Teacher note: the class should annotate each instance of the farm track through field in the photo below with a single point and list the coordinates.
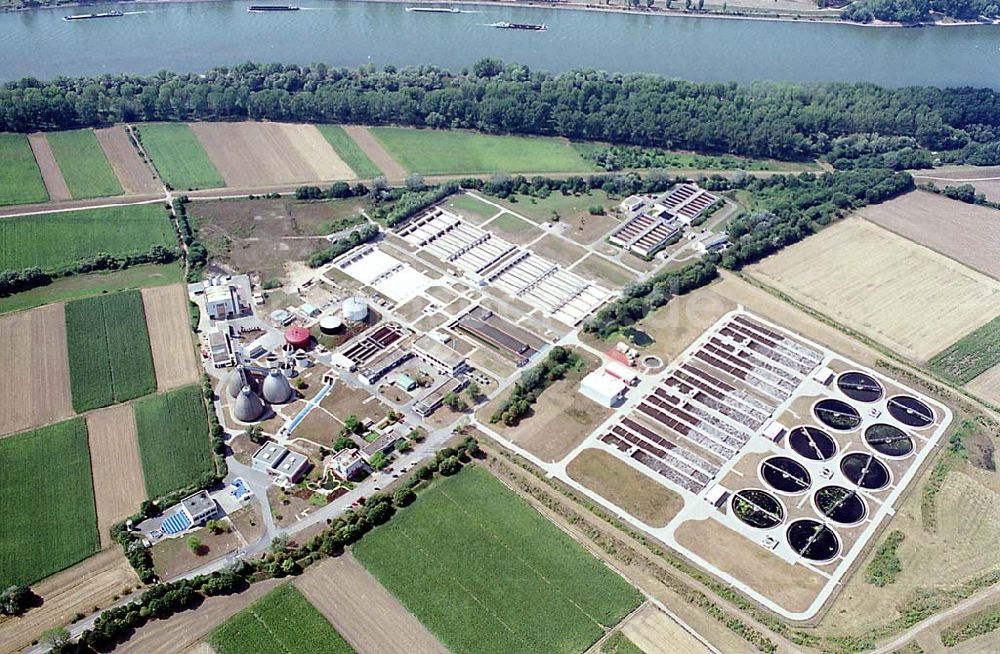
(135, 175)
(54, 182)
(170, 336)
(119, 488)
(359, 607)
(379, 155)
(35, 387)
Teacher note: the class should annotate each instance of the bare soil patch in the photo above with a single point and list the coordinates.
(343, 401)
(35, 389)
(654, 632)
(173, 556)
(987, 385)
(51, 175)
(248, 522)
(619, 483)
(170, 336)
(93, 582)
(360, 608)
(967, 233)
(319, 427)
(792, 586)
(135, 176)
(986, 179)
(379, 156)
(119, 487)
(185, 629)
(558, 250)
(249, 154)
(908, 297)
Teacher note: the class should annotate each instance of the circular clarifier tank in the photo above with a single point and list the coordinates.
(812, 443)
(785, 475)
(813, 540)
(860, 386)
(758, 508)
(837, 415)
(910, 411)
(865, 471)
(840, 505)
(888, 440)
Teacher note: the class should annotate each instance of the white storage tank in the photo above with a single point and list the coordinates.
(330, 325)
(355, 309)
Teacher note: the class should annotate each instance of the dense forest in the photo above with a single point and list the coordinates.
(916, 11)
(785, 121)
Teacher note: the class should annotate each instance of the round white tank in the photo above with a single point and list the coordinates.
(355, 309)
(330, 324)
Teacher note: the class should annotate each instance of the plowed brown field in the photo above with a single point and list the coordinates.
(133, 173)
(34, 389)
(51, 175)
(170, 336)
(119, 488)
(379, 156)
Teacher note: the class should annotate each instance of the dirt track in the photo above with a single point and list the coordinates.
(361, 609)
(170, 336)
(35, 387)
(379, 156)
(119, 488)
(52, 176)
(93, 582)
(255, 154)
(135, 176)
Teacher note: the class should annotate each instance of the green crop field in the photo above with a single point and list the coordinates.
(349, 151)
(281, 622)
(53, 241)
(971, 355)
(46, 501)
(443, 152)
(110, 360)
(173, 439)
(178, 156)
(83, 164)
(486, 573)
(20, 180)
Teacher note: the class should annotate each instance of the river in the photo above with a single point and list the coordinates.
(194, 36)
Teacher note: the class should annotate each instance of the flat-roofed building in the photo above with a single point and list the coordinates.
(281, 463)
(444, 359)
(430, 401)
(218, 347)
(384, 443)
(221, 302)
(622, 372)
(199, 507)
(603, 388)
(347, 463)
(376, 368)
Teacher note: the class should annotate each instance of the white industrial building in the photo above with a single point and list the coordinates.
(441, 357)
(391, 277)
(198, 507)
(603, 388)
(280, 463)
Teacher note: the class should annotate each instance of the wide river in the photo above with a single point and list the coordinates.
(198, 35)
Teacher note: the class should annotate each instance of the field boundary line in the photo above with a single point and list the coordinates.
(87, 208)
(270, 632)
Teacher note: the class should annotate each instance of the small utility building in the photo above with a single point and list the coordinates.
(603, 388)
(278, 462)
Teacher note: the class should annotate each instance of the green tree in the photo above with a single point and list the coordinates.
(454, 402)
(403, 497)
(256, 434)
(195, 545)
(56, 637)
(343, 443)
(15, 600)
(380, 513)
(279, 543)
(352, 424)
(449, 466)
(473, 391)
(378, 461)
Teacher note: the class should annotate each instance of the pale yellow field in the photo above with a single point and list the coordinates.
(987, 385)
(901, 294)
(654, 632)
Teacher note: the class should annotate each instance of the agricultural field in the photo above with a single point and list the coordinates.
(626, 487)
(253, 155)
(986, 179)
(76, 287)
(909, 298)
(116, 466)
(652, 631)
(964, 232)
(83, 164)
(109, 353)
(179, 158)
(36, 388)
(169, 329)
(282, 621)
(52, 177)
(56, 241)
(20, 180)
(537, 582)
(47, 502)
(444, 152)
(135, 175)
(971, 356)
(349, 151)
(172, 430)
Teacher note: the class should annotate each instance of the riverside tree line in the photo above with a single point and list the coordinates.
(785, 121)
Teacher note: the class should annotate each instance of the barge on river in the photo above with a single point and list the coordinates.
(106, 14)
(256, 8)
(504, 25)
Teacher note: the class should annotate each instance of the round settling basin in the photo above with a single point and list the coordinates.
(812, 443)
(837, 415)
(785, 475)
(910, 411)
(758, 508)
(888, 440)
(860, 386)
(813, 540)
(865, 471)
(840, 505)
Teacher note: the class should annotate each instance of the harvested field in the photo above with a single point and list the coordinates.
(173, 439)
(654, 632)
(794, 587)
(20, 179)
(55, 185)
(170, 336)
(626, 487)
(348, 150)
(83, 164)
(986, 179)
(987, 385)
(36, 388)
(359, 607)
(135, 175)
(186, 628)
(538, 583)
(94, 582)
(252, 154)
(964, 232)
(117, 468)
(375, 152)
(47, 502)
(909, 298)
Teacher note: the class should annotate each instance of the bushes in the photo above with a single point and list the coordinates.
(411, 203)
(341, 245)
(532, 383)
(885, 565)
(974, 625)
(339, 190)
